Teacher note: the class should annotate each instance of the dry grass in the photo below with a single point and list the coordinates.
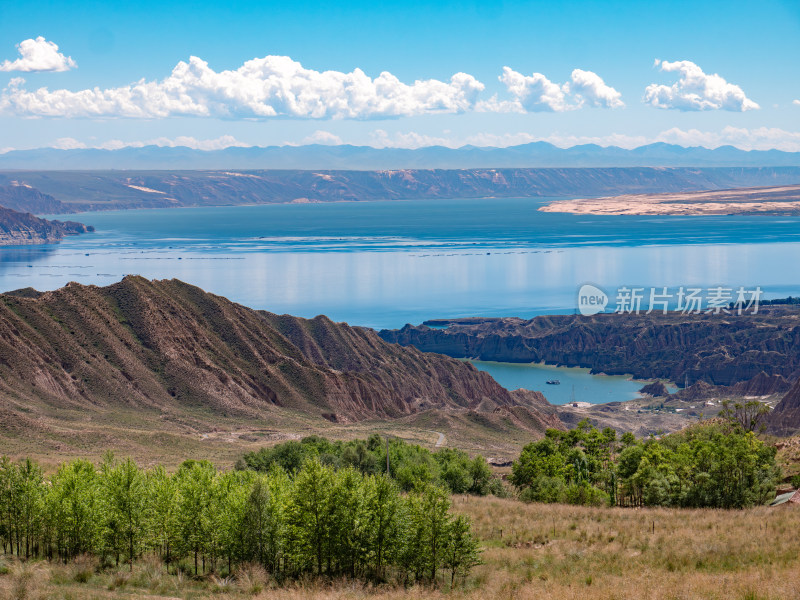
(147, 437)
(570, 552)
(788, 457)
(544, 551)
(24, 581)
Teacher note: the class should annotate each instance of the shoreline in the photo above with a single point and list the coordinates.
(759, 201)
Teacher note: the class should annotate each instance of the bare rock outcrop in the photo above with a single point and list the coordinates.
(721, 350)
(656, 389)
(785, 417)
(18, 228)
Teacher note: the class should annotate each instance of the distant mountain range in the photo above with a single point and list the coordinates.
(535, 154)
(59, 192)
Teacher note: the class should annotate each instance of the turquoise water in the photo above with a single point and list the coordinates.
(576, 384)
(384, 264)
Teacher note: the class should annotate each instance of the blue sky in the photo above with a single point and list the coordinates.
(576, 72)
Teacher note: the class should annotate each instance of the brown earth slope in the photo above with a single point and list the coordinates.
(785, 418)
(169, 349)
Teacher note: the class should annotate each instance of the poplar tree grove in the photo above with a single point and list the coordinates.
(319, 521)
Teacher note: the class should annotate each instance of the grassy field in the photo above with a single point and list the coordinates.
(152, 437)
(530, 551)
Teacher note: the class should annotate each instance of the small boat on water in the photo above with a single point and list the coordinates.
(553, 382)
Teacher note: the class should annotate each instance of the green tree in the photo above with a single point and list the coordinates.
(383, 507)
(194, 481)
(328, 520)
(73, 509)
(28, 500)
(124, 490)
(309, 509)
(462, 552)
(433, 516)
(161, 512)
(750, 416)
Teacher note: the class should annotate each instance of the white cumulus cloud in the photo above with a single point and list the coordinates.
(220, 143)
(277, 86)
(324, 138)
(274, 86)
(696, 90)
(67, 143)
(760, 138)
(589, 88)
(411, 139)
(38, 55)
(536, 93)
(797, 102)
(757, 138)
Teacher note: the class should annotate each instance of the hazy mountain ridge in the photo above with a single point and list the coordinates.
(24, 198)
(346, 157)
(102, 190)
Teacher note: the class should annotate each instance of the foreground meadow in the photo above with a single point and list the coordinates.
(530, 551)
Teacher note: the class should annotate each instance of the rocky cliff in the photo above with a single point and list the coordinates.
(17, 228)
(785, 417)
(170, 347)
(721, 350)
(656, 389)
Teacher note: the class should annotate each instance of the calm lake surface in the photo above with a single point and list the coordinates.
(597, 389)
(384, 264)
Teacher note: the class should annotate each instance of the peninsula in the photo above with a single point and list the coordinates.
(779, 200)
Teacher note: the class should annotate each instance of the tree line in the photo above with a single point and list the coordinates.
(718, 465)
(317, 520)
(409, 465)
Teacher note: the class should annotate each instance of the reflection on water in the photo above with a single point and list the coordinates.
(27, 254)
(384, 264)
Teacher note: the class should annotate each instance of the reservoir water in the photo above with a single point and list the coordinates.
(576, 384)
(384, 264)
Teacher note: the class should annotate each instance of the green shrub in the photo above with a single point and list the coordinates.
(714, 465)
